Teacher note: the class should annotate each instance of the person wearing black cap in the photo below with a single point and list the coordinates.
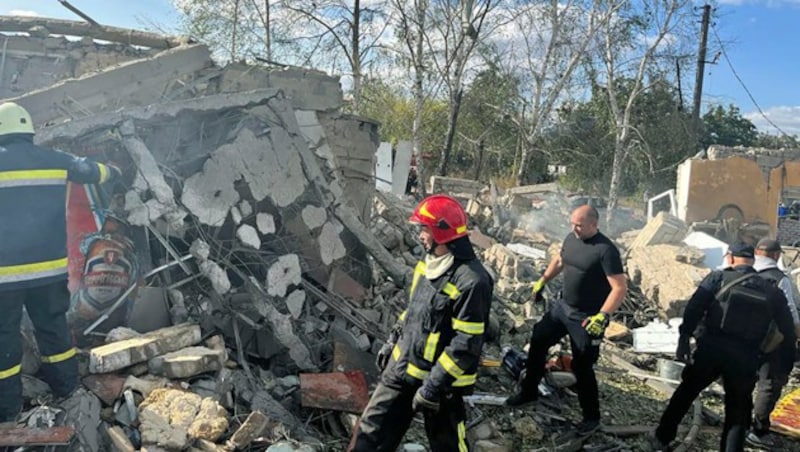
(736, 308)
(776, 366)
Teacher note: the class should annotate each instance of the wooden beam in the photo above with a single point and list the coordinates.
(22, 436)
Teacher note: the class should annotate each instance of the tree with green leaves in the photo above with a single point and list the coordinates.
(727, 127)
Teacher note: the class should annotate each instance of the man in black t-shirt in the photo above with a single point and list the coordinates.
(594, 287)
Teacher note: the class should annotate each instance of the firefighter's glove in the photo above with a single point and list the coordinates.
(383, 356)
(538, 287)
(596, 325)
(684, 351)
(425, 400)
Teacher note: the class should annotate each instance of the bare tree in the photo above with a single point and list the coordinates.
(631, 44)
(331, 29)
(542, 45)
(452, 38)
(411, 30)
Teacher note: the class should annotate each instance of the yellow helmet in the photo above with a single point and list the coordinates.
(14, 119)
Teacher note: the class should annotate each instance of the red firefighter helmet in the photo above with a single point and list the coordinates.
(443, 215)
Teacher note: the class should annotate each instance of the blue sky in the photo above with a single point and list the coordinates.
(761, 38)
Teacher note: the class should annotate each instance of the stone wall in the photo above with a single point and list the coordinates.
(788, 231)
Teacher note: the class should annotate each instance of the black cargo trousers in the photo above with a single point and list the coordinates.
(47, 306)
(561, 320)
(388, 416)
(716, 356)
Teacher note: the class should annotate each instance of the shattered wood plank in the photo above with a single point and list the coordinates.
(154, 112)
(137, 82)
(103, 32)
(348, 216)
(52, 436)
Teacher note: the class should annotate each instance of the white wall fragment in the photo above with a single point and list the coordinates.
(331, 246)
(314, 216)
(284, 273)
(248, 236)
(265, 223)
(236, 215)
(245, 208)
(295, 302)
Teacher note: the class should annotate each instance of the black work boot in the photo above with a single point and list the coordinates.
(588, 426)
(522, 397)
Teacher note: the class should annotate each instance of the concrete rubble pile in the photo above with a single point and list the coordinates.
(269, 269)
(243, 188)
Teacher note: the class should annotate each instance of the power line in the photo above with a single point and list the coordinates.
(741, 82)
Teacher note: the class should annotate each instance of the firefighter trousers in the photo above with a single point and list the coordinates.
(388, 415)
(47, 306)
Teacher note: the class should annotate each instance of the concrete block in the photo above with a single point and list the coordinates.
(245, 208)
(165, 417)
(118, 355)
(663, 228)
(236, 215)
(306, 89)
(146, 385)
(187, 362)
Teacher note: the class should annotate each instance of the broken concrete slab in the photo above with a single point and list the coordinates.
(118, 355)
(187, 362)
(314, 216)
(307, 89)
(662, 229)
(339, 391)
(254, 426)
(82, 28)
(295, 302)
(109, 88)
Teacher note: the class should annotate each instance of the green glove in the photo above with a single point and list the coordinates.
(596, 325)
(538, 286)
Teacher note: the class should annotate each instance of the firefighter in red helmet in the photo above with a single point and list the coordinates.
(431, 358)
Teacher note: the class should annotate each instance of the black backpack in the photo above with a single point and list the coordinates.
(746, 313)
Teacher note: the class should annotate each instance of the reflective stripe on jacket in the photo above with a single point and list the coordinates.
(33, 194)
(443, 328)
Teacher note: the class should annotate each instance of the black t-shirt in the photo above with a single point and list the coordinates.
(587, 264)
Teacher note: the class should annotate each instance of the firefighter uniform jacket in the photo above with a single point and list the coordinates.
(33, 193)
(442, 329)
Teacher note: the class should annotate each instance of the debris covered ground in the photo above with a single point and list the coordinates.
(256, 270)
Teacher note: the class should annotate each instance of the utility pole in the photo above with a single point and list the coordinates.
(701, 66)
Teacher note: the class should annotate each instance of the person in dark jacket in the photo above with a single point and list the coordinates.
(431, 358)
(33, 254)
(773, 374)
(736, 307)
(594, 287)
